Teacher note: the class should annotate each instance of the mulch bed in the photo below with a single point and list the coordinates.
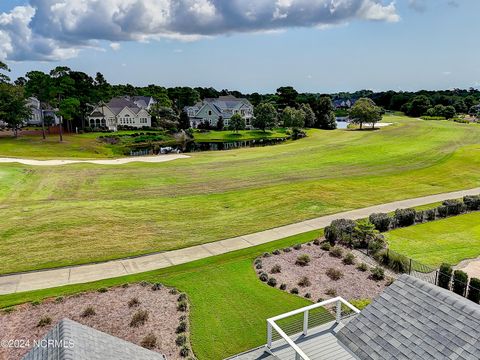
(112, 316)
(354, 284)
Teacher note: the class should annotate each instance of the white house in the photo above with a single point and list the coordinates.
(122, 111)
(38, 112)
(211, 110)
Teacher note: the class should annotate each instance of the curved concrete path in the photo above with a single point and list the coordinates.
(86, 273)
(121, 161)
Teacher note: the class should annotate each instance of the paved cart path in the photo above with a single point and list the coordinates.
(92, 272)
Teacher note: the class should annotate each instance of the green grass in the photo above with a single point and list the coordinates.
(229, 305)
(55, 216)
(227, 135)
(449, 240)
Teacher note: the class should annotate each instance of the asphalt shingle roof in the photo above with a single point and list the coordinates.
(85, 343)
(413, 319)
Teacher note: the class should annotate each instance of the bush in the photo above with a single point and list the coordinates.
(157, 286)
(283, 287)
(442, 211)
(325, 246)
(349, 259)
(59, 299)
(420, 217)
(430, 215)
(89, 311)
(133, 302)
(276, 269)
(302, 260)
(149, 341)
(339, 230)
(276, 252)
(297, 246)
(445, 276)
(381, 221)
(362, 267)
(376, 245)
(474, 290)
(182, 297)
(472, 202)
(44, 321)
(272, 282)
(404, 217)
(397, 262)
(331, 292)
(316, 242)
(454, 207)
(182, 327)
(102, 290)
(377, 273)
(257, 261)
(336, 252)
(304, 282)
(287, 250)
(259, 266)
(184, 351)
(334, 274)
(308, 296)
(263, 276)
(182, 306)
(460, 280)
(173, 291)
(139, 318)
(294, 291)
(360, 304)
(181, 340)
(266, 255)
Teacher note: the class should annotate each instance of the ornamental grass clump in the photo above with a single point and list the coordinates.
(349, 259)
(302, 260)
(304, 282)
(149, 341)
(334, 274)
(336, 252)
(139, 318)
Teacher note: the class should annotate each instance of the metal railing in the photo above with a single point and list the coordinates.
(272, 323)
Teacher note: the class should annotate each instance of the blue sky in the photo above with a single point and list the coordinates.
(407, 45)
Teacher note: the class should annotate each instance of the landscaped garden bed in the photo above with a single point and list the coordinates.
(148, 315)
(320, 272)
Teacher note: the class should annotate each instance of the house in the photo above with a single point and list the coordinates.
(122, 111)
(39, 111)
(211, 110)
(343, 104)
(411, 319)
(69, 340)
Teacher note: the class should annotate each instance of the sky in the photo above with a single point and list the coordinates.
(250, 45)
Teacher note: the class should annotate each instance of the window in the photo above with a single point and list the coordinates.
(209, 112)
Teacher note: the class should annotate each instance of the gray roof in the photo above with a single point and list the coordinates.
(413, 319)
(88, 344)
(119, 103)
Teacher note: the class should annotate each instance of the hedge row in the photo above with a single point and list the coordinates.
(459, 283)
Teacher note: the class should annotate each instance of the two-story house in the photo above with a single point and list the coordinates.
(122, 111)
(211, 110)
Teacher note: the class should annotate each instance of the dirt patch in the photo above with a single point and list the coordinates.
(112, 316)
(352, 284)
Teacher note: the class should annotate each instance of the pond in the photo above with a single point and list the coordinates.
(342, 123)
(194, 146)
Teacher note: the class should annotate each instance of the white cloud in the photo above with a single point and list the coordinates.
(58, 29)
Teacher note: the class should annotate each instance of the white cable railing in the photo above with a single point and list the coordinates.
(299, 354)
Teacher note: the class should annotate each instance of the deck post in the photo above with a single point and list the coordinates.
(339, 312)
(305, 322)
(269, 335)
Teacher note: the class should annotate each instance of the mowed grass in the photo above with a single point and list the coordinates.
(449, 240)
(55, 216)
(229, 305)
(242, 135)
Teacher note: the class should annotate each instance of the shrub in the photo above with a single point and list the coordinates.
(276, 269)
(325, 246)
(349, 259)
(294, 291)
(266, 255)
(263, 277)
(184, 351)
(183, 318)
(334, 274)
(331, 292)
(376, 245)
(362, 267)
(460, 280)
(182, 306)
(272, 282)
(316, 242)
(397, 262)
(377, 273)
(472, 202)
(89, 311)
(283, 287)
(297, 246)
(182, 327)
(182, 297)
(133, 302)
(339, 230)
(430, 215)
(381, 221)
(363, 234)
(445, 276)
(102, 290)
(257, 261)
(360, 304)
(44, 321)
(35, 303)
(157, 286)
(474, 290)
(149, 341)
(404, 217)
(304, 282)
(336, 252)
(139, 318)
(454, 207)
(259, 266)
(442, 211)
(308, 296)
(287, 250)
(59, 299)
(276, 252)
(420, 217)
(173, 291)
(302, 260)
(181, 340)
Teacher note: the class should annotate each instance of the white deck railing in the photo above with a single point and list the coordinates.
(299, 354)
